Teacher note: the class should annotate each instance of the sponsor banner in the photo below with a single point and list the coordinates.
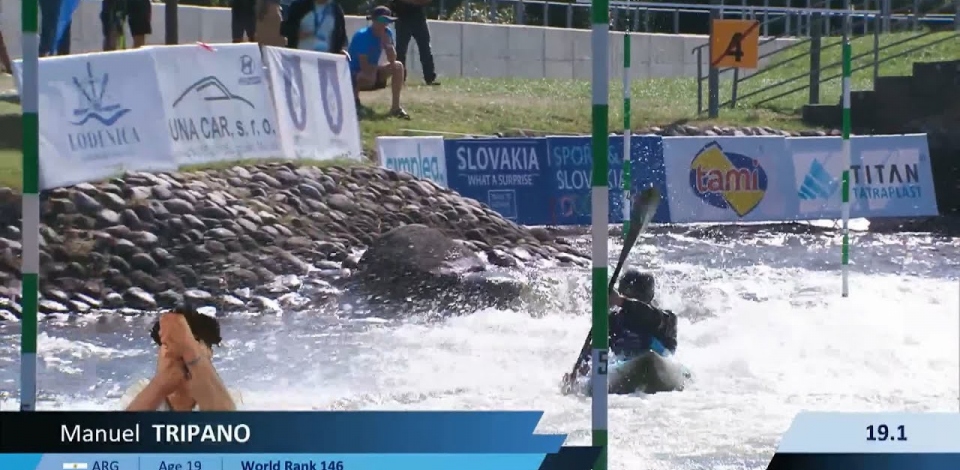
(506, 174)
(890, 176)
(99, 117)
(570, 166)
(316, 112)
(729, 179)
(423, 157)
(217, 103)
(648, 170)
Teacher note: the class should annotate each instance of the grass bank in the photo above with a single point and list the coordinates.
(515, 106)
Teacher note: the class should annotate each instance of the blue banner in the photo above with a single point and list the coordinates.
(571, 168)
(506, 174)
(547, 181)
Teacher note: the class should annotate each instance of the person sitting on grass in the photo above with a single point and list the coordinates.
(365, 49)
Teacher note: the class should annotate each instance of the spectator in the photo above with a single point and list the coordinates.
(316, 25)
(412, 23)
(137, 13)
(365, 50)
(243, 21)
(269, 21)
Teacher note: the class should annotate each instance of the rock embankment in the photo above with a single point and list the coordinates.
(222, 237)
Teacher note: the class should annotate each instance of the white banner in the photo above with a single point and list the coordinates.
(316, 112)
(728, 179)
(423, 157)
(99, 116)
(217, 103)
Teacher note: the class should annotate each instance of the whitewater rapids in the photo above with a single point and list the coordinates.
(763, 328)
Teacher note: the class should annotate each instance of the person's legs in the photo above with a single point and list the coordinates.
(404, 33)
(140, 14)
(421, 33)
(395, 73)
(108, 21)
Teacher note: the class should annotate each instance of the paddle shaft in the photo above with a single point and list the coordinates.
(640, 214)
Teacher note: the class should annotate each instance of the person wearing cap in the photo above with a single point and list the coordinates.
(185, 378)
(637, 325)
(366, 47)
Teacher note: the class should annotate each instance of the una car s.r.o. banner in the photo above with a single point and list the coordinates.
(101, 114)
(423, 157)
(505, 174)
(316, 113)
(890, 176)
(216, 103)
(729, 179)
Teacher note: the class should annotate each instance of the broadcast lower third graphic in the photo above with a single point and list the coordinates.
(818, 183)
(75, 466)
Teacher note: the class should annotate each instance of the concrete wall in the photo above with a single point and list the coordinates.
(459, 49)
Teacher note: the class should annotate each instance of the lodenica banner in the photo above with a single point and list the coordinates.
(316, 112)
(99, 116)
(729, 179)
(423, 157)
(216, 103)
(890, 176)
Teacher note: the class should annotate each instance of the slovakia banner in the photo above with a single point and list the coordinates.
(316, 113)
(506, 174)
(101, 115)
(217, 104)
(890, 176)
(729, 179)
(423, 157)
(570, 166)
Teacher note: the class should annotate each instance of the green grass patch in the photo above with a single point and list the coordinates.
(510, 106)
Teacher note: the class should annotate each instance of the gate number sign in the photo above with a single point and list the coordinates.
(734, 44)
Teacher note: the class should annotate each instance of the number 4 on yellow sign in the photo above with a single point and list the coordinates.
(734, 43)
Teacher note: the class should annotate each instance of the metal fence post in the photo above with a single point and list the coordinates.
(816, 29)
(713, 80)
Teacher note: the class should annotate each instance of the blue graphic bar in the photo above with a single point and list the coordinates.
(568, 458)
(392, 432)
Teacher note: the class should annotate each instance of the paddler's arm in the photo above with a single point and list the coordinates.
(149, 399)
(205, 385)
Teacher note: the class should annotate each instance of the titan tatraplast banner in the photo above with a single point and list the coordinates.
(890, 176)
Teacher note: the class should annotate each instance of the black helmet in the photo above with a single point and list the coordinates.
(637, 285)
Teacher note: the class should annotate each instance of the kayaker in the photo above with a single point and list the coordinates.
(185, 379)
(637, 325)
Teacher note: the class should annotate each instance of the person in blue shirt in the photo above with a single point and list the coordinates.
(316, 25)
(366, 47)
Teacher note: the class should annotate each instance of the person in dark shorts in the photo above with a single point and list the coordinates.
(366, 48)
(412, 24)
(137, 14)
(243, 20)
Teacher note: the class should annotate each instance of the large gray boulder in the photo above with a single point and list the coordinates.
(418, 268)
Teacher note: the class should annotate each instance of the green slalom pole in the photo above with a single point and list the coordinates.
(30, 230)
(626, 133)
(600, 195)
(845, 190)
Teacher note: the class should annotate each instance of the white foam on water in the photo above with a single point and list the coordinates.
(763, 343)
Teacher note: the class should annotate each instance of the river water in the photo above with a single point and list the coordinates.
(763, 328)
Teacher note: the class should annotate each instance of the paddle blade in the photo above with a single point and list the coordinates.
(644, 208)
